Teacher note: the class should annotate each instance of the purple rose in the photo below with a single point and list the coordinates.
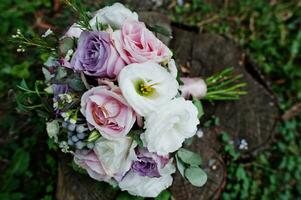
(96, 56)
(148, 164)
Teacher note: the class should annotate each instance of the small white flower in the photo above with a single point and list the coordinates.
(53, 129)
(243, 145)
(200, 133)
(169, 125)
(145, 186)
(47, 33)
(64, 147)
(146, 86)
(69, 54)
(114, 15)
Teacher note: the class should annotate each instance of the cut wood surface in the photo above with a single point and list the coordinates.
(252, 118)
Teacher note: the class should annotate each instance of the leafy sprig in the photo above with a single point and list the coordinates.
(35, 41)
(83, 15)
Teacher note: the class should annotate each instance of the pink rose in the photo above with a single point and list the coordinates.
(92, 165)
(193, 87)
(107, 111)
(136, 44)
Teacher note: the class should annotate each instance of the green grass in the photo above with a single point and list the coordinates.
(269, 32)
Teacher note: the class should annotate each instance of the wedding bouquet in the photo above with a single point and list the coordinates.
(113, 99)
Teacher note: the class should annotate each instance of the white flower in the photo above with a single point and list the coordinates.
(116, 156)
(145, 186)
(53, 129)
(74, 31)
(47, 33)
(114, 15)
(169, 125)
(172, 68)
(147, 85)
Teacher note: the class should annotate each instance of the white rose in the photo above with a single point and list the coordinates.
(169, 125)
(145, 186)
(115, 156)
(114, 15)
(147, 85)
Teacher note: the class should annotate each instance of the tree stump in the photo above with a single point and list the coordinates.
(252, 118)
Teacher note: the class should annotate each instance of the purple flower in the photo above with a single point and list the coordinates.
(96, 56)
(59, 89)
(148, 164)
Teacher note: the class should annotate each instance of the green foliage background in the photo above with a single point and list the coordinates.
(269, 30)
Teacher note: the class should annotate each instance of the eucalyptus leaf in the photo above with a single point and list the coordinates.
(196, 176)
(61, 73)
(66, 44)
(76, 84)
(180, 166)
(47, 74)
(199, 106)
(189, 157)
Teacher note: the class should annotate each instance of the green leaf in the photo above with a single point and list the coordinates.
(135, 135)
(46, 73)
(20, 162)
(77, 168)
(94, 135)
(196, 176)
(66, 44)
(159, 29)
(23, 84)
(126, 196)
(198, 104)
(180, 166)
(76, 84)
(189, 157)
(164, 195)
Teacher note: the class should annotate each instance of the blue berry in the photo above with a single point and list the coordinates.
(90, 145)
(71, 127)
(80, 145)
(81, 136)
(74, 138)
(81, 129)
(70, 142)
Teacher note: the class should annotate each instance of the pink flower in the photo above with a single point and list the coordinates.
(107, 111)
(193, 87)
(136, 44)
(92, 165)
